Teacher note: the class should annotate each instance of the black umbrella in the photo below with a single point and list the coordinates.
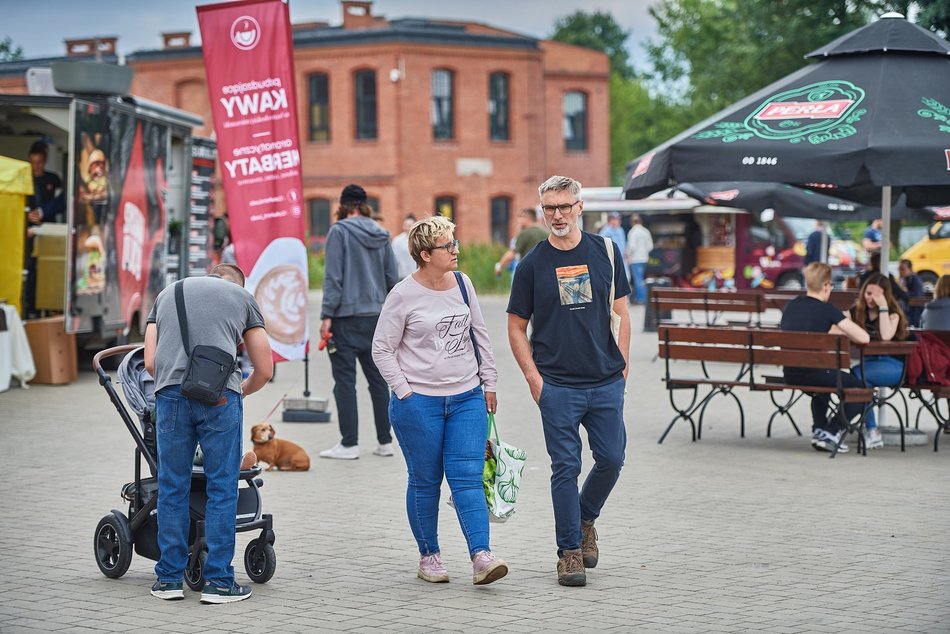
(872, 113)
(788, 200)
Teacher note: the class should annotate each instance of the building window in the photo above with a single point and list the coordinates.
(319, 90)
(319, 217)
(445, 206)
(498, 106)
(365, 81)
(442, 114)
(373, 203)
(575, 121)
(500, 219)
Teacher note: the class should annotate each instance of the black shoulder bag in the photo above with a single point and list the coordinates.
(209, 368)
(471, 332)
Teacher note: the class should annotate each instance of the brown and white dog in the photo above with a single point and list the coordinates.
(277, 453)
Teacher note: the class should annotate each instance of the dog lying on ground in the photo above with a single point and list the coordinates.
(278, 453)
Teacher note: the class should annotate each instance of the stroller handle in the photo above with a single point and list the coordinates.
(111, 352)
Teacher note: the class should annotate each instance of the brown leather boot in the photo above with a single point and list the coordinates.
(589, 544)
(570, 568)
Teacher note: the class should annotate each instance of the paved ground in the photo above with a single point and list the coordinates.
(723, 535)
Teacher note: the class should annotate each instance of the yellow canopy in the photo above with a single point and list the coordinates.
(16, 182)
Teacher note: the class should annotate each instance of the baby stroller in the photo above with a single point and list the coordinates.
(117, 534)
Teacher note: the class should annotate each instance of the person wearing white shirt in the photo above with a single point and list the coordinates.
(639, 245)
(405, 265)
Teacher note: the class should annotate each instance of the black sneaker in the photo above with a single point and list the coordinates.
(227, 594)
(168, 590)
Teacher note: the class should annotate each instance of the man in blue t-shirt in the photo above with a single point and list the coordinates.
(575, 369)
(812, 313)
(872, 237)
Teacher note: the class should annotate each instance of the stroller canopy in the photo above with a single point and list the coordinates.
(137, 384)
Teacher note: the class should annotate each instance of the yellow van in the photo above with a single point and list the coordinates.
(931, 256)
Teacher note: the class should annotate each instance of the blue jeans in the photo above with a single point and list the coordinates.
(600, 411)
(444, 435)
(637, 271)
(181, 424)
(880, 371)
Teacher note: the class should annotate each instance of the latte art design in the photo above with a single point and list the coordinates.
(282, 297)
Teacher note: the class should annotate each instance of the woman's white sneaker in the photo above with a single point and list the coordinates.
(339, 452)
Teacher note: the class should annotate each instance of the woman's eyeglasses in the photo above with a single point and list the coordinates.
(450, 247)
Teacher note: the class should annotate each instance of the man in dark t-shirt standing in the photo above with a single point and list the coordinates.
(813, 313)
(575, 368)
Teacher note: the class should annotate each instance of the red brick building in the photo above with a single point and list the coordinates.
(425, 114)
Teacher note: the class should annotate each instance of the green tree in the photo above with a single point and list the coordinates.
(9, 52)
(934, 14)
(599, 31)
(714, 52)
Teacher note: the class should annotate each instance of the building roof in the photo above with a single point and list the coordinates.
(403, 31)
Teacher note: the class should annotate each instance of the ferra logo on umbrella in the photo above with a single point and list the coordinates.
(819, 112)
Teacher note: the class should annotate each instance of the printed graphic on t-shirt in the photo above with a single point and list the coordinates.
(452, 331)
(573, 284)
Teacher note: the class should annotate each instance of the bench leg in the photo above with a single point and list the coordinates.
(684, 413)
(783, 410)
(726, 391)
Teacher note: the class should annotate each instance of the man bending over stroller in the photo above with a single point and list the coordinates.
(219, 313)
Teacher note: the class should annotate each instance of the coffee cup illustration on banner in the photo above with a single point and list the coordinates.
(279, 284)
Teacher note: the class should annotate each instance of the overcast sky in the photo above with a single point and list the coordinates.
(40, 26)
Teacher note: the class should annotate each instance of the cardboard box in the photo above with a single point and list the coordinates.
(54, 351)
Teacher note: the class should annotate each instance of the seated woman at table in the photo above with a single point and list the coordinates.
(812, 313)
(880, 314)
(936, 314)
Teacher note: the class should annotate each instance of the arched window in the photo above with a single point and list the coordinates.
(500, 219)
(319, 209)
(365, 95)
(575, 121)
(445, 206)
(443, 87)
(498, 107)
(318, 85)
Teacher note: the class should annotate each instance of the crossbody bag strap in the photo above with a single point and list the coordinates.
(610, 254)
(182, 316)
(471, 332)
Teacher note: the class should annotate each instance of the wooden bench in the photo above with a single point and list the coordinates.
(711, 305)
(746, 350)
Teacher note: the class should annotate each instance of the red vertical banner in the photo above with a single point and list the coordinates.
(248, 55)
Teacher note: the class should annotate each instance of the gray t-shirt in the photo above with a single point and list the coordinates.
(219, 313)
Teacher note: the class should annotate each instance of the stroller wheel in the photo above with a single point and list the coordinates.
(194, 575)
(112, 545)
(260, 561)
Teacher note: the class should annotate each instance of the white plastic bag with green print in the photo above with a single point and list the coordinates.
(501, 476)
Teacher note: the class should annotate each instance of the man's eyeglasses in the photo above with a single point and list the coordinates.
(564, 209)
(451, 247)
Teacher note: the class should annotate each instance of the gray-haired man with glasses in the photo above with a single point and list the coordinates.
(575, 369)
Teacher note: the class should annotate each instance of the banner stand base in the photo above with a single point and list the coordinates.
(304, 416)
(306, 410)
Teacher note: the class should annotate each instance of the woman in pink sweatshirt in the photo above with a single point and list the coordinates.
(425, 348)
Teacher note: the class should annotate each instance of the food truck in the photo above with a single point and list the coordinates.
(137, 188)
(704, 246)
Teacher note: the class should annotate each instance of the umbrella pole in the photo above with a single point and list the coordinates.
(885, 257)
(886, 230)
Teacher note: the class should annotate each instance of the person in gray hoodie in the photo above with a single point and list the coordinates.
(360, 271)
(936, 314)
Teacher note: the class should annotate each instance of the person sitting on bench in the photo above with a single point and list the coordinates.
(813, 313)
(878, 312)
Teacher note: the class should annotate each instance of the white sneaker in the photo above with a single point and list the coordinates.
(384, 450)
(873, 438)
(821, 440)
(339, 452)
